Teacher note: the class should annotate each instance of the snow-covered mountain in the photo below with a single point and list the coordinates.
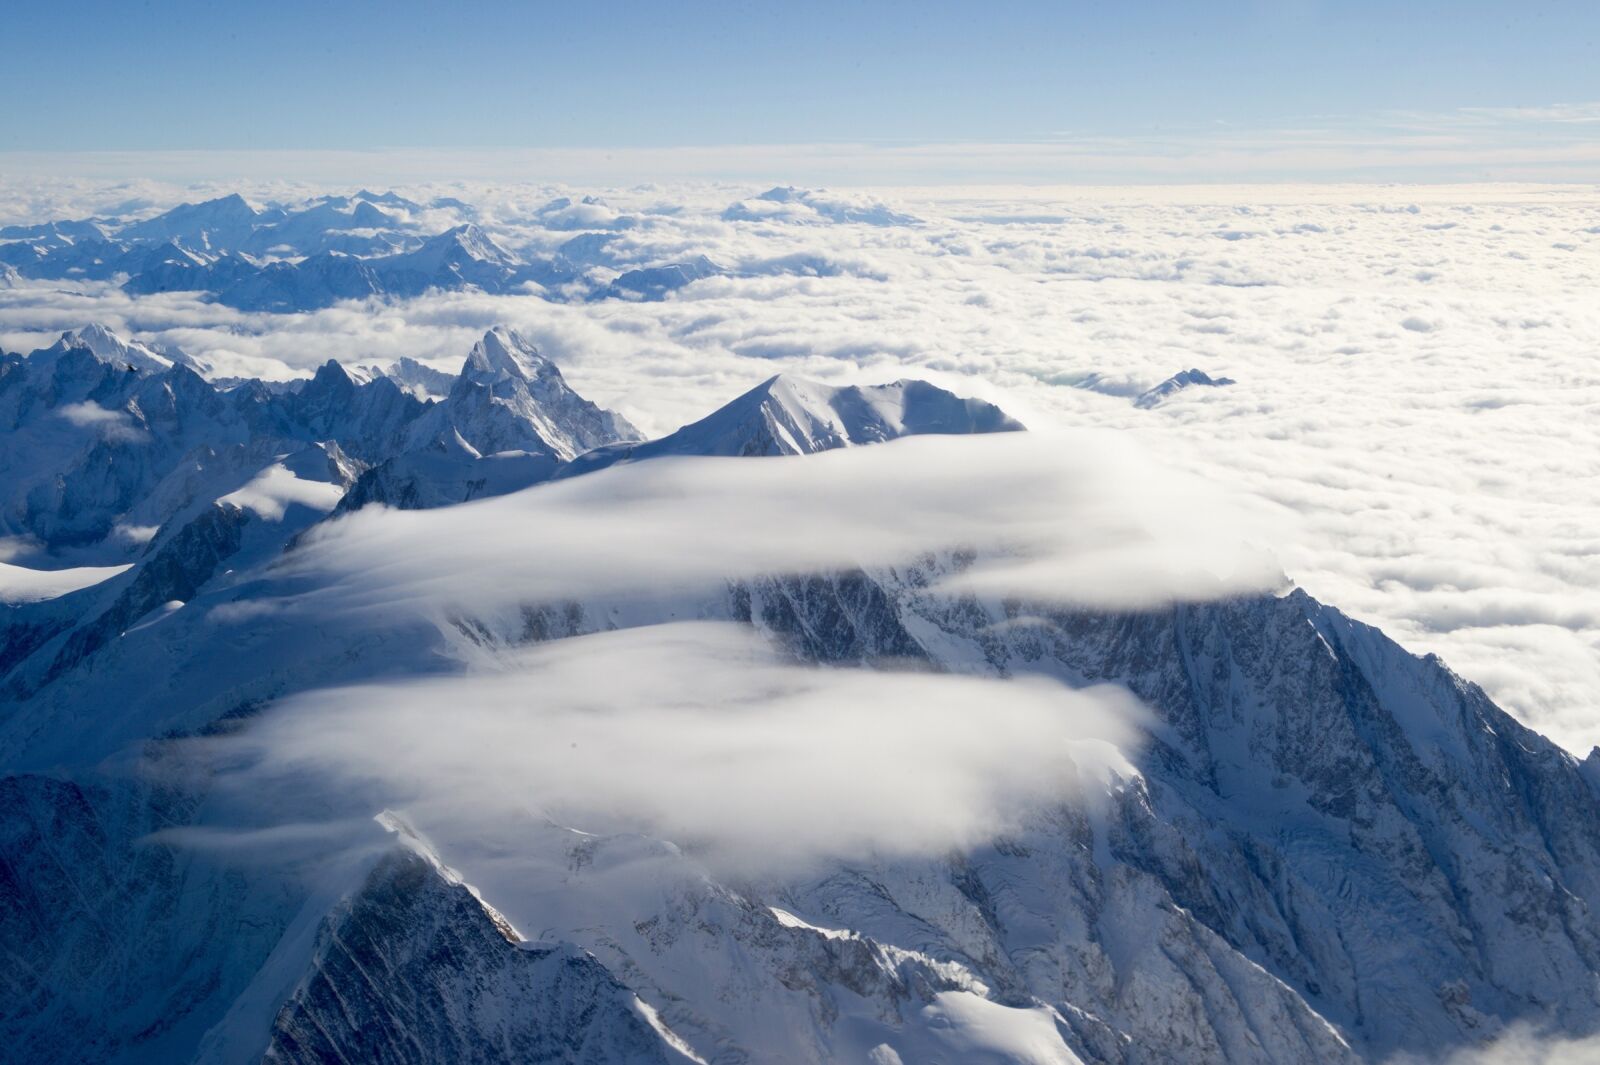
(785, 203)
(1178, 382)
(422, 380)
(789, 416)
(289, 258)
(1323, 849)
(109, 442)
(225, 222)
(509, 421)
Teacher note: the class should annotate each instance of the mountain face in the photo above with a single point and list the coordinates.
(1325, 850)
(412, 960)
(106, 441)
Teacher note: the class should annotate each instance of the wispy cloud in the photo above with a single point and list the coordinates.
(1073, 518)
(1465, 144)
(698, 734)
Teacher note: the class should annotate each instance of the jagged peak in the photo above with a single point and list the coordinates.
(334, 372)
(472, 240)
(110, 348)
(1179, 381)
(505, 353)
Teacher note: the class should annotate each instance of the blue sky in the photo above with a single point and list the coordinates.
(1134, 78)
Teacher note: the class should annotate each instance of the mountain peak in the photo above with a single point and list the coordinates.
(465, 252)
(391, 198)
(786, 415)
(107, 347)
(475, 243)
(333, 374)
(803, 416)
(418, 378)
(1179, 381)
(504, 353)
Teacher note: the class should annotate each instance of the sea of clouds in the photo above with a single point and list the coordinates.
(1417, 396)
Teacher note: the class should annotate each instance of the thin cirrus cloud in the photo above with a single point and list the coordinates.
(1545, 142)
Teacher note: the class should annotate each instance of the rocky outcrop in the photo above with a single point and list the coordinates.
(415, 969)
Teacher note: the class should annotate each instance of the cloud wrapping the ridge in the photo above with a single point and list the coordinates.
(112, 424)
(699, 734)
(1073, 518)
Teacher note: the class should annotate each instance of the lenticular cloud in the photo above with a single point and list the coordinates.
(1064, 518)
(700, 734)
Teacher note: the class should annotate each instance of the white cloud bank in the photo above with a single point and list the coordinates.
(699, 734)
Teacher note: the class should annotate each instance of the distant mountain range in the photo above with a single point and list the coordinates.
(303, 257)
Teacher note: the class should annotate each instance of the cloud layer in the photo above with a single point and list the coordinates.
(1415, 366)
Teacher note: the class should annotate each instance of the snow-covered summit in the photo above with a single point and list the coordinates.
(1191, 378)
(790, 415)
(107, 347)
(786, 415)
(509, 397)
(454, 247)
(786, 203)
(225, 221)
(504, 353)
